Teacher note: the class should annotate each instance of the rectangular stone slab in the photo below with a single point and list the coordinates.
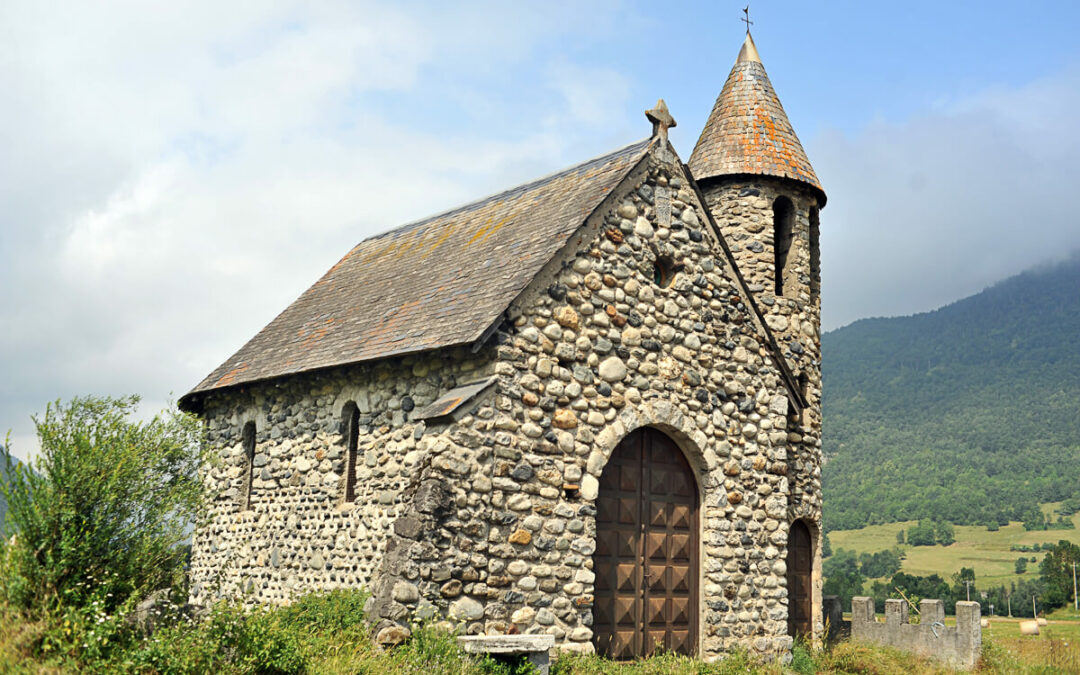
(506, 644)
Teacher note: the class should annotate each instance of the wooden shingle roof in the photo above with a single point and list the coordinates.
(435, 283)
(748, 131)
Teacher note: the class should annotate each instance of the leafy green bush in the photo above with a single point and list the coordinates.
(100, 514)
(921, 534)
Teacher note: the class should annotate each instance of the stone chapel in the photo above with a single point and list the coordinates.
(588, 406)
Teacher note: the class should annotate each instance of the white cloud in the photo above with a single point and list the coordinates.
(936, 208)
(173, 176)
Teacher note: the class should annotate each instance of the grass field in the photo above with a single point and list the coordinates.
(987, 552)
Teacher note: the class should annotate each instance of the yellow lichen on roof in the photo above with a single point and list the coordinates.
(435, 283)
(748, 131)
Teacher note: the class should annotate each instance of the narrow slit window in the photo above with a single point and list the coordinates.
(351, 415)
(783, 232)
(804, 389)
(249, 464)
(797, 415)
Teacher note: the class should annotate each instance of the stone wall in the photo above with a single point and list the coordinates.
(743, 209)
(597, 348)
(959, 645)
(298, 534)
(488, 518)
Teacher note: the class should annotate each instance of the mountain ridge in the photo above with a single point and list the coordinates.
(966, 413)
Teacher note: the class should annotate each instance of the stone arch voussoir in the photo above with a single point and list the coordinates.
(668, 418)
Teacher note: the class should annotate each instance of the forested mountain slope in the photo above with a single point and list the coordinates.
(969, 413)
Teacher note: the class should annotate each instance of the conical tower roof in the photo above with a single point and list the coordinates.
(748, 131)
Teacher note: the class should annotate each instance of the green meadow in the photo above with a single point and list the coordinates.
(986, 552)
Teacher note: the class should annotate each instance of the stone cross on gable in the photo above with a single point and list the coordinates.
(661, 119)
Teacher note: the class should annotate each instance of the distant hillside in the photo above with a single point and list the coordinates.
(969, 413)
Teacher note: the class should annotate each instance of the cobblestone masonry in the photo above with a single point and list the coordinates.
(475, 518)
(298, 535)
(743, 209)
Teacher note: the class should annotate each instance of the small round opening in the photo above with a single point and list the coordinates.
(664, 271)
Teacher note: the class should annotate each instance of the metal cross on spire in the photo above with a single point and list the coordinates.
(746, 20)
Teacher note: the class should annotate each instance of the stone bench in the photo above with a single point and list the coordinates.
(534, 647)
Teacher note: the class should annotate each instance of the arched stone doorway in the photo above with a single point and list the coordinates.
(646, 558)
(800, 565)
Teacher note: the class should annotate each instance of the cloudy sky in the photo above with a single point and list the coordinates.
(172, 175)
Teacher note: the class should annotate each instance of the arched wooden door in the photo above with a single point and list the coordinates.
(646, 559)
(800, 563)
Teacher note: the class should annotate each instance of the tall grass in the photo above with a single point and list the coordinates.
(327, 633)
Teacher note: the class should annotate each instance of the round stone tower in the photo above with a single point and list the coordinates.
(765, 197)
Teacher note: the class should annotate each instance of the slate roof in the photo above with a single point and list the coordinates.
(435, 283)
(748, 131)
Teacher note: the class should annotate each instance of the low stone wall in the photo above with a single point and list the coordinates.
(959, 645)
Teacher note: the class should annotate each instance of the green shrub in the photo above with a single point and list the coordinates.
(99, 516)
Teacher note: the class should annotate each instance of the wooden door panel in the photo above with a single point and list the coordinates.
(658, 612)
(679, 641)
(656, 546)
(680, 516)
(658, 514)
(654, 639)
(680, 610)
(682, 486)
(602, 613)
(656, 582)
(606, 544)
(626, 611)
(680, 578)
(624, 645)
(659, 482)
(646, 560)
(607, 510)
(800, 567)
(680, 546)
(626, 575)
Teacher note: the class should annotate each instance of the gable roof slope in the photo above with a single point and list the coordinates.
(435, 283)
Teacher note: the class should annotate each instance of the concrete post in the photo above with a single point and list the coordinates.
(969, 628)
(862, 610)
(896, 612)
(931, 611)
